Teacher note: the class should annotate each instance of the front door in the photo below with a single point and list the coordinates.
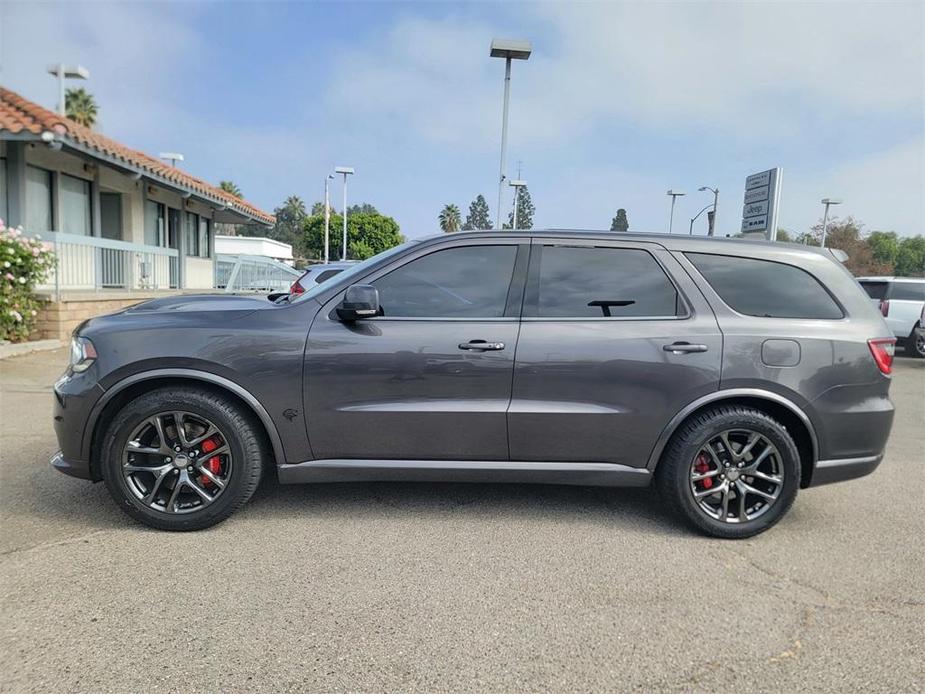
(430, 378)
(614, 341)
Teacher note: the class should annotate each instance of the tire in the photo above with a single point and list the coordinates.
(915, 346)
(687, 458)
(235, 453)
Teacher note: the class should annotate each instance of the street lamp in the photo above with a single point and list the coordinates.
(516, 184)
(62, 72)
(715, 192)
(694, 219)
(327, 218)
(173, 157)
(346, 171)
(825, 216)
(674, 194)
(509, 50)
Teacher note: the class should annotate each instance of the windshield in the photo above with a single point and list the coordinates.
(354, 271)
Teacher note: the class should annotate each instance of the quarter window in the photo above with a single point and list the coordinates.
(766, 288)
(462, 282)
(590, 282)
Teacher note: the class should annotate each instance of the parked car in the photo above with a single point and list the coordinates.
(729, 373)
(919, 346)
(901, 301)
(317, 274)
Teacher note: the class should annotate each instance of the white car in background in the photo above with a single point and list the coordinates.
(901, 300)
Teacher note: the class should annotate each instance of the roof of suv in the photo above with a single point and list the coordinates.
(891, 279)
(666, 240)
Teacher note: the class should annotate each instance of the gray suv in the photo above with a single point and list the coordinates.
(729, 373)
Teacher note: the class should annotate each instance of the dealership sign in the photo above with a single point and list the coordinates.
(761, 202)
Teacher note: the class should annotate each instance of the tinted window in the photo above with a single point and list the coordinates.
(875, 290)
(464, 282)
(590, 282)
(765, 288)
(908, 291)
(326, 275)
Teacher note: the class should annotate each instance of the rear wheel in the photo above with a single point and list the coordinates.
(182, 459)
(915, 345)
(730, 472)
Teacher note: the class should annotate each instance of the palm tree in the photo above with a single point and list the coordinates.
(295, 205)
(231, 187)
(80, 106)
(450, 219)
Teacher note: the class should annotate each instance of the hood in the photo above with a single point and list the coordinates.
(202, 303)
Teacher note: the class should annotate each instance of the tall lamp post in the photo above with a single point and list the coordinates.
(346, 171)
(825, 217)
(62, 72)
(694, 219)
(327, 218)
(673, 194)
(712, 220)
(516, 184)
(509, 50)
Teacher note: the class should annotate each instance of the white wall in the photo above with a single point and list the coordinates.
(198, 273)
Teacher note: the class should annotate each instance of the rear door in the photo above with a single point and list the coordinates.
(431, 378)
(615, 340)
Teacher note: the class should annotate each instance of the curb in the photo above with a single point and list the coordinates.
(14, 350)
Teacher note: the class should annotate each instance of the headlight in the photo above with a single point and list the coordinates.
(83, 354)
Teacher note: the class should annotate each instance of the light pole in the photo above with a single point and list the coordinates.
(694, 219)
(715, 192)
(825, 216)
(346, 171)
(509, 50)
(62, 72)
(327, 218)
(172, 157)
(516, 184)
(673, 194)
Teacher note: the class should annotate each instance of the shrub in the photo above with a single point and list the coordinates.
(24, 262)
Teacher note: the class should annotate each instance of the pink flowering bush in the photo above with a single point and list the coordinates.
(24, 262)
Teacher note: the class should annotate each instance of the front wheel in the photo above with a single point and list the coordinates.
(730, 472)
(182, 458)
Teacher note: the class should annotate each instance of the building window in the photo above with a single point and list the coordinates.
(38, 200)
(192, 234)
(155, 221)
(74, 198)
(4, 207)
(111, 215)
(204, 244)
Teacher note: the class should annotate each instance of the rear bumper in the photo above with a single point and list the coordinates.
(841, 469)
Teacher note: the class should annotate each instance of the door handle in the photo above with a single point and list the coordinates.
(481, 346)
(684, 348)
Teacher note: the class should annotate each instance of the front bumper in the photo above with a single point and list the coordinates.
(75, 395)
(74, 468)
(839, 470)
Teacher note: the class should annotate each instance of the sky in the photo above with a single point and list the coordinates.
(618, 103)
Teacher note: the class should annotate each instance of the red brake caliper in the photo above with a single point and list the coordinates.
(213, 464)
(702, 466)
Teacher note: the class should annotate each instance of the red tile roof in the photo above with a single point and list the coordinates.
(18, 114)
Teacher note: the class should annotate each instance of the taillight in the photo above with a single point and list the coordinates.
(296, 288)
(882, 349)
(885, 307)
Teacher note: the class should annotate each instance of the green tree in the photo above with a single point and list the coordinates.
(231, 188)
(80, 106)
(449, 218)
(362, 208)
(288, 228)
(479, 215)
(525, 210)
(784, 236)
(620, 222)
(367, 235)
(847, 235)
(884, 245)
(910, 260)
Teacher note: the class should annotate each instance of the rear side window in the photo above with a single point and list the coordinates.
(875, 290)
(765, 288)
(588, 282)
(908, 291)
(326, 275)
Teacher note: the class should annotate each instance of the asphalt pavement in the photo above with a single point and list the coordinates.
(450, 587)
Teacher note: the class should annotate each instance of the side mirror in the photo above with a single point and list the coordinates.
(360, 301)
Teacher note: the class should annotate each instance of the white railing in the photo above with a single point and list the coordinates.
(90, 263)
(253, 273)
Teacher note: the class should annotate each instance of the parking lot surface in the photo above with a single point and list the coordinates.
(436, 587)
